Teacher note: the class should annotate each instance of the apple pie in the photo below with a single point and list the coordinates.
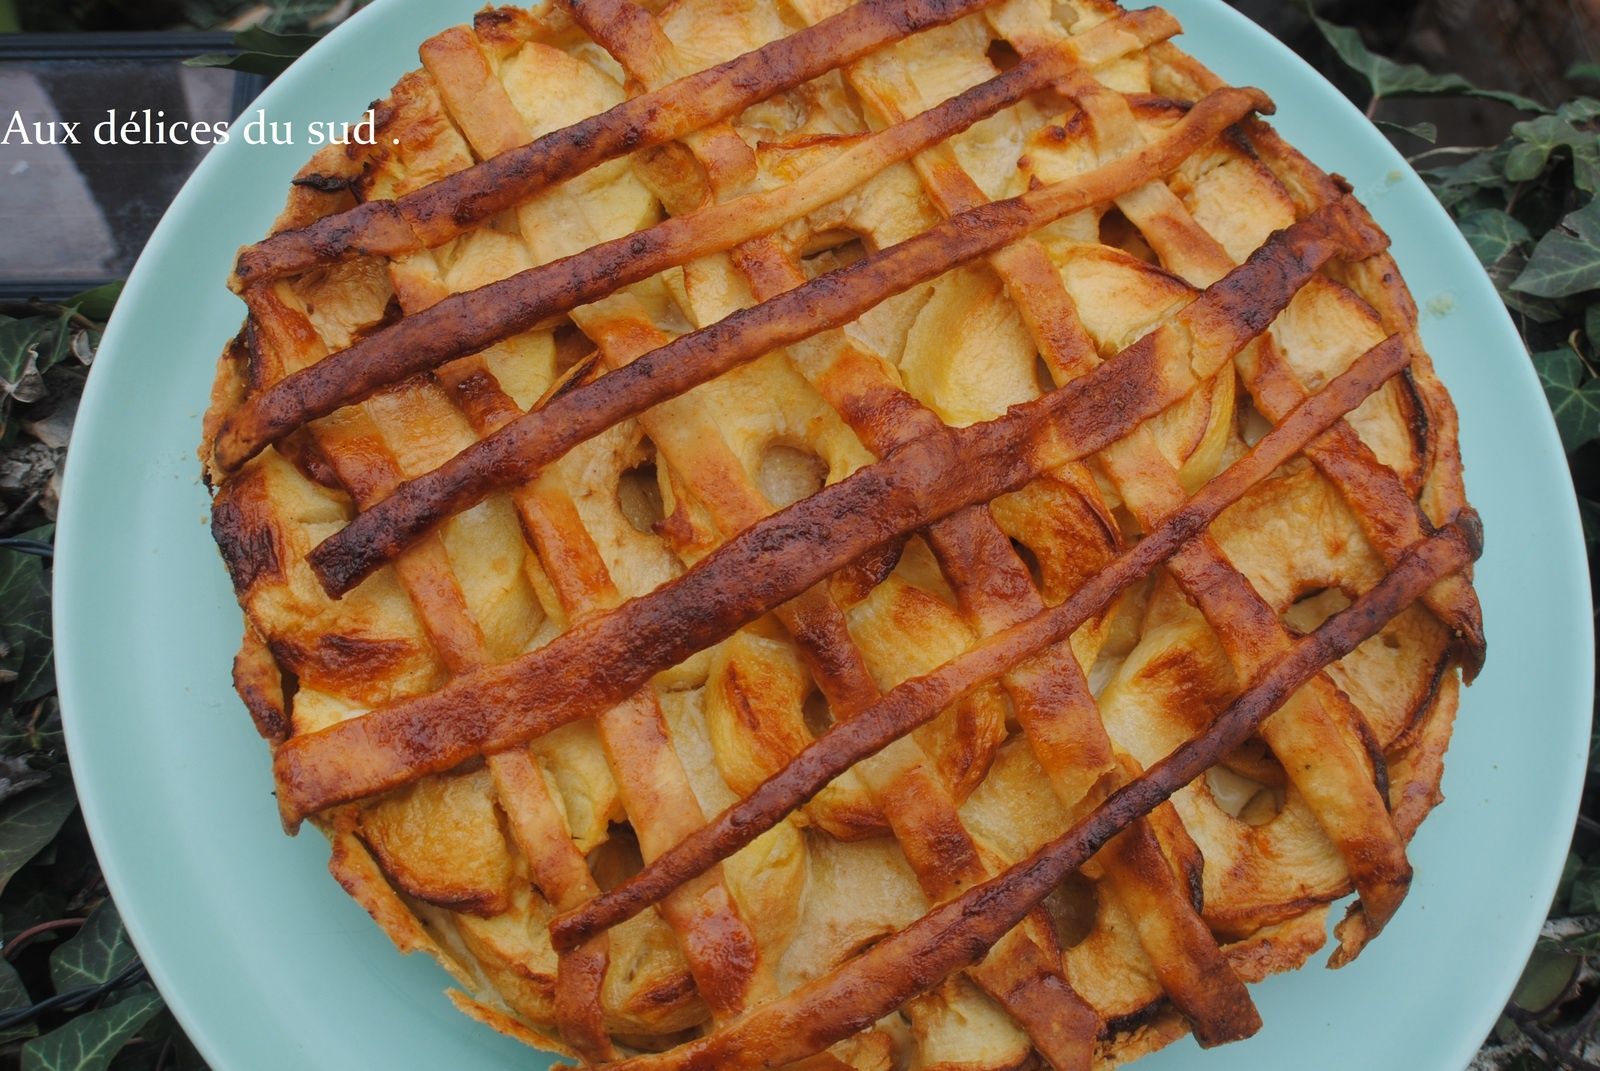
(905, 533)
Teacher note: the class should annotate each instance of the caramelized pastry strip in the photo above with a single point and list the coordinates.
(436, 213)
(1316, 737)
(364, 465)
(610, 656)
(1022, 975)
(955, 934)
(469, 322)
(916, 700)
(1389, 517)
(515, 453)
(1051, 698)
(718, 944)
(1455, 602)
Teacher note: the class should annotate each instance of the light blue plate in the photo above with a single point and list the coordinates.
(269, 965)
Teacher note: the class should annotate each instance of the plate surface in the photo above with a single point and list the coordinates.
(269, 965)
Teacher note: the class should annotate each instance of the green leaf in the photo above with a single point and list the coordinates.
(14, 995)
(30, 821)
(1542, 136)
(26, 653)
(260, 52)
(1569, 875)
(1591, 326)
(90, 1041)
(1478, 173)
(1390, 79)
(1583, 896)
(1426, 131)
(1589, 514)
(1583, 944)
(95, 954)
(97, 304)
(1539, 310)
(1574, 398)
(1566, 260)
(29, 348)
(1579, 109)
(1545, 980)
(1492, 234)
(1584, 72)
(260, 39)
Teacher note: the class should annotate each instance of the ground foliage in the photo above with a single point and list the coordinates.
(73, 994)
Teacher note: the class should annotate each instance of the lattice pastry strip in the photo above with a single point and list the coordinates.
(764, 262)
(1017, 973)
(1313, 736)
(1151, 489)
(441, 614)
(655, 791)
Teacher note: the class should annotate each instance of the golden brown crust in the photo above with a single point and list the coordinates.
(604, 659)
(537, 699)
(961, 930)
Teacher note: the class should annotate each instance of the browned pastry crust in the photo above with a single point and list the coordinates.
(914, 533)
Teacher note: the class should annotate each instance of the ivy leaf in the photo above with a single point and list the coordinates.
(1545, 980)
(98, 303)
(26, 653)
(1579, 109)
(90, 1041)
(1566, 260)
(1478, 173)
(1542, 136)
(1539, 310)
(95, 954)
(31, 821)
(1390, 79)
(1573, 397)
(14, 995)
(29, 348)
(1492, 233)
(260, 52)
(1426, 131)
(1569, 875)
(1583, 897)
(1584, 72)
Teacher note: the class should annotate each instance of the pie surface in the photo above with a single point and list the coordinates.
(472, 861)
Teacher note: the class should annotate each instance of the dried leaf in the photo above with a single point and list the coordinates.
(28, 349)
(54, 429)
